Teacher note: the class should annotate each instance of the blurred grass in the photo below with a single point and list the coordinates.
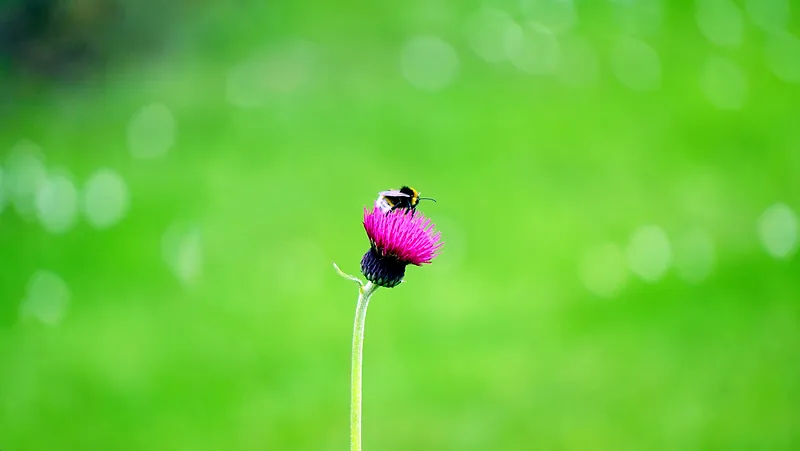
(498, 344)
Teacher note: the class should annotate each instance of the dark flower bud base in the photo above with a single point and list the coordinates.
(385, 271)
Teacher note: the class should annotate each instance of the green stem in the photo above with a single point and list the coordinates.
(365, 293)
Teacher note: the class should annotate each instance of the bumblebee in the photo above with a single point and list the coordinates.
(406, 198)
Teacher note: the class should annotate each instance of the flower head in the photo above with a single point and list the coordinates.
(397, 239)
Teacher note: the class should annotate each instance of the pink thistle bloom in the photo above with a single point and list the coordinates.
(397, 239)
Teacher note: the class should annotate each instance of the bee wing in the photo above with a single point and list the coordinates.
(393, 193)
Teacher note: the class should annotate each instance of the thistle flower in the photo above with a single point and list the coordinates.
(397, 239)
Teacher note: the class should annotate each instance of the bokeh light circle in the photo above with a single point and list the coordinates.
(770, 15)
(638, 17)
(557, 15)
(485, 32)
(3, 196)
(182, 250)
(533, 48)
(47, 298)
(57, 203)
(720, 21)
(25, 174)
(636, 65)
(105, 198)
(777, 230)
(282, 70)
(151, 131)
(429, 63)
(783, 56)
(649, 253)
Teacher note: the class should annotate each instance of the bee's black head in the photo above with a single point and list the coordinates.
(409, 190)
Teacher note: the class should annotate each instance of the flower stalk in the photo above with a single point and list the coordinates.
(365, 293)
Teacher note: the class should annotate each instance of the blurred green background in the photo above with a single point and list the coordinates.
(618, 185)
